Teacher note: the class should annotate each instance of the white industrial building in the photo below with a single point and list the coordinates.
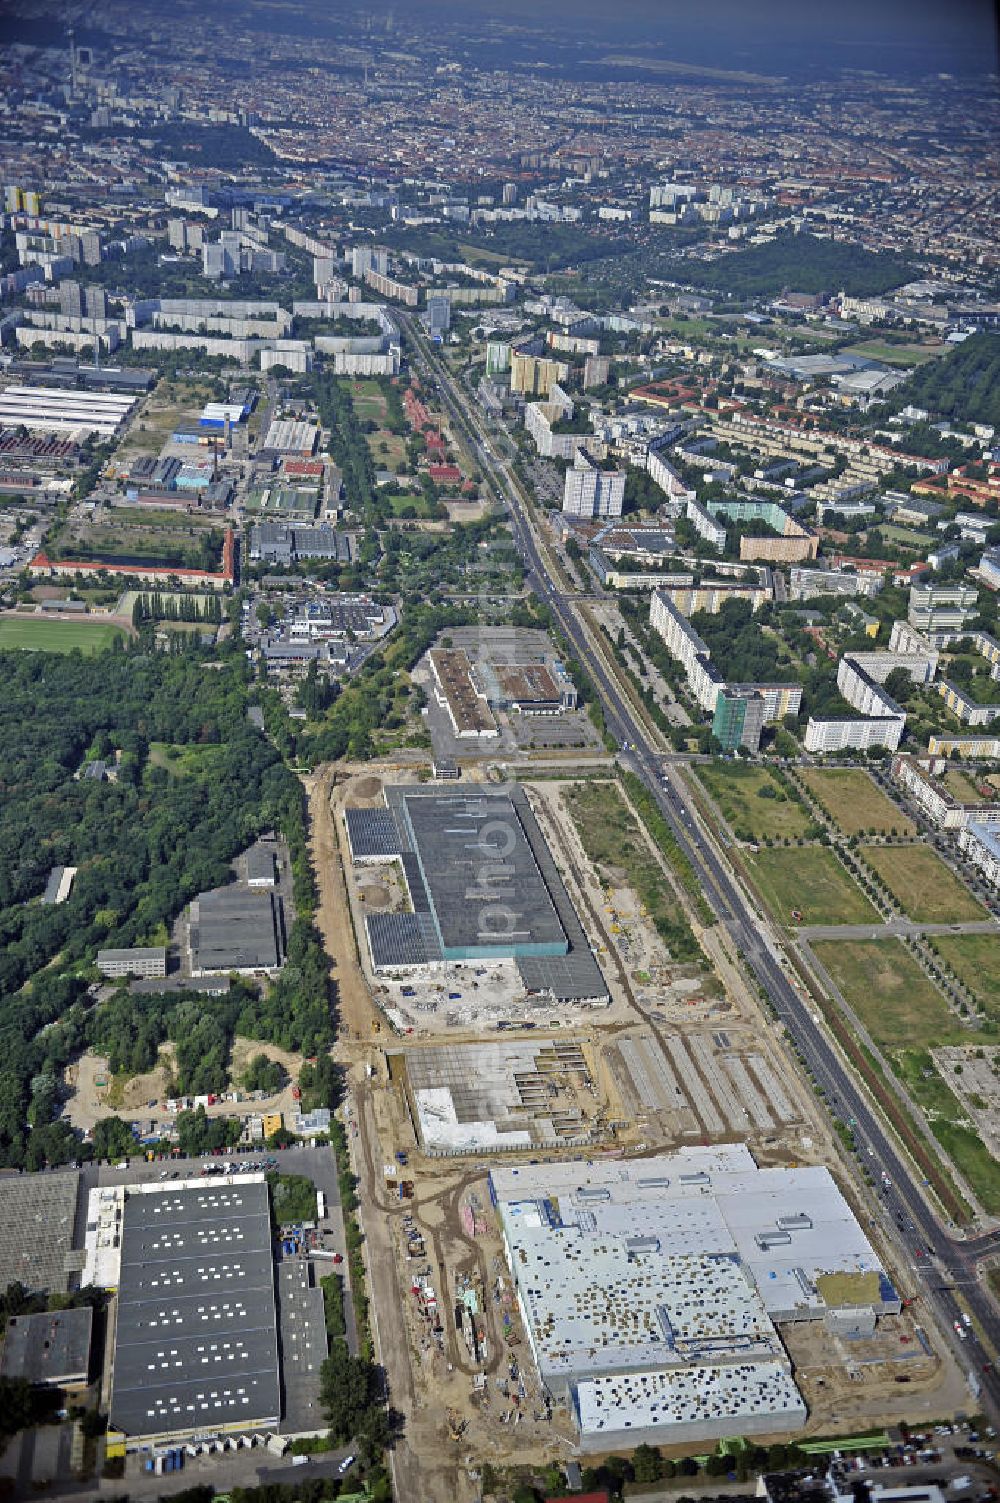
(49, 410)
(650, 1289)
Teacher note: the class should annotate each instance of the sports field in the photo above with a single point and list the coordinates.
(811, 881)
(404, 504)
(753, 803)
(368, 400)
(890, 993)
(975, 959)
(854, 803)
(39, 634)
(923, 886)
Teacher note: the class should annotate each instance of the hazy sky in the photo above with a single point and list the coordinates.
(933, 34)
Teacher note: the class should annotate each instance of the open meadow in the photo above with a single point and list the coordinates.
(753, 803)
(854, 803)
(889, 992)
(926, 889)
(811, 881)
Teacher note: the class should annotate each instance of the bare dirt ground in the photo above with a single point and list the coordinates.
(129, 1099)
(358, 1016)
(876, 1381)
(453, 1423)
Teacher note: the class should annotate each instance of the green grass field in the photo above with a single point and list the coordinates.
(181, 761)
(905, 537)
(948, 1122)
(972, 1158)
(896, 354)
(752, 802)
(388, 450)
(39, 634)
(812, 881)
(368, 400)
(854, 803)
(975, 959)
(923, 886)
(890, 993)
(961, 786)
(416, 504)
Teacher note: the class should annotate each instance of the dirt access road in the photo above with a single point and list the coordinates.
(428, 1473)
(357, 1015)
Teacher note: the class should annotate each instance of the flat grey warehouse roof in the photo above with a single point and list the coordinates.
(196, 1346)
(37, 1213)
(52, 1347)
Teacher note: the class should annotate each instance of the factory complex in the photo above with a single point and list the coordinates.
(651, 1291)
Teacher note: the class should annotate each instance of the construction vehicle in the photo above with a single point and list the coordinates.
(456, 1425)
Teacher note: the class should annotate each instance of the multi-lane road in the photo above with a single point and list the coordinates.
(938, 1266)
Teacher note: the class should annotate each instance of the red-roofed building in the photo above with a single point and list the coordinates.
(444, 474)
(302, 468)
(600, 1497)
(43, 567)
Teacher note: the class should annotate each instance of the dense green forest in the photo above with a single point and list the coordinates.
(143, 845)
(964, 384)
(740, 650)
(548, 246)
(228, 148)
(803, 263)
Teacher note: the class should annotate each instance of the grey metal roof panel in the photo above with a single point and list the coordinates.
(401, 939)
(481, 872)
(373, 833)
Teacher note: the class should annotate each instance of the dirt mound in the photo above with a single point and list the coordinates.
(368, 787)
(374, 897)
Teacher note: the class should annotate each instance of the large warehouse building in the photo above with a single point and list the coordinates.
(650, 1289)
(482, 886)
(43, 409)
(196, 1340)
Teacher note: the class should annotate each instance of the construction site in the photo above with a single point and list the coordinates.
(455, 1070)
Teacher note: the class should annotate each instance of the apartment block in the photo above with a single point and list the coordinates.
(592, 491)
(942, 610)
(981, 844)
(919, 780)
(705, 681)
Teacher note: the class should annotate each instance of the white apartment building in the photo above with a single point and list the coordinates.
(881, 720)
(934, 799)
(941, 610)
(828, 735)
(705, 681)
(590, 490)
(663, 474)
(705, 525)
(805, 583)
(981, 843)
